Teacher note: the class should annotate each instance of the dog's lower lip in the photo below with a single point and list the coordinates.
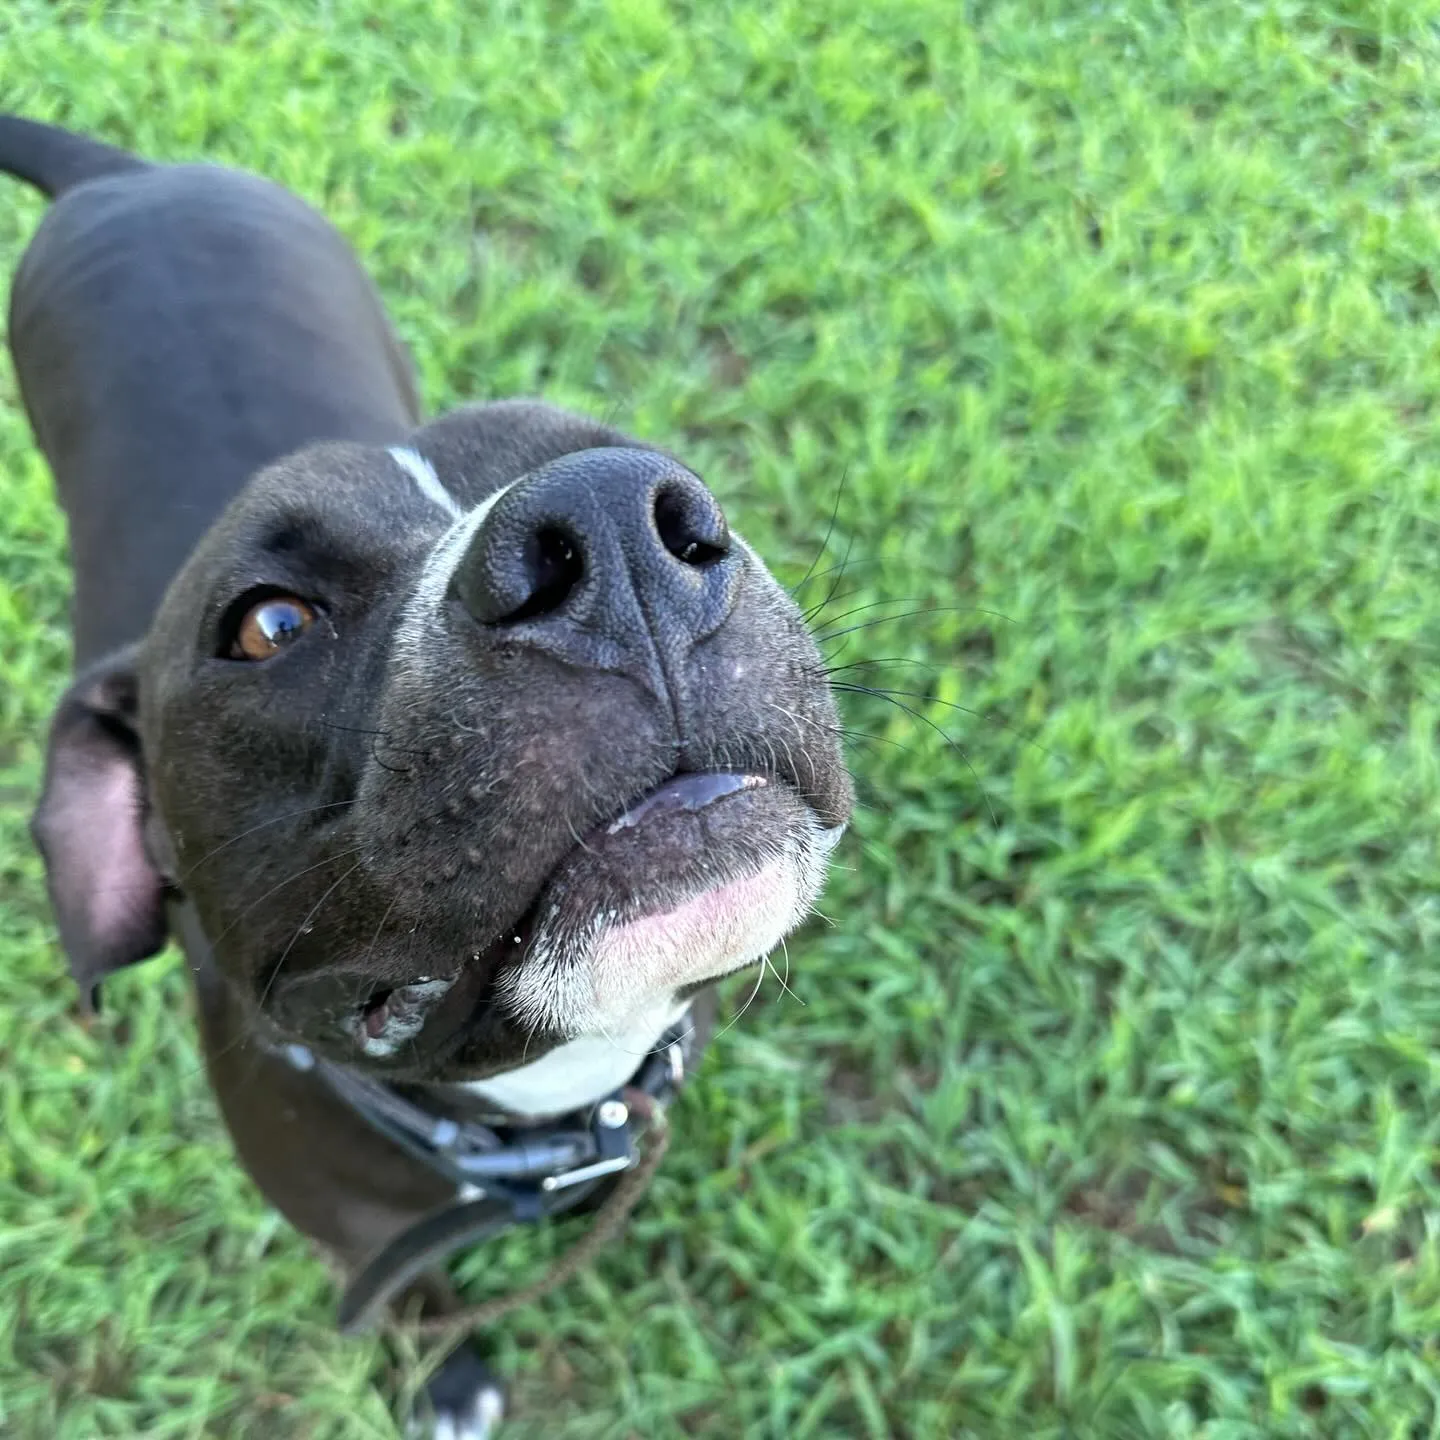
(686, 792)
(377, 1014)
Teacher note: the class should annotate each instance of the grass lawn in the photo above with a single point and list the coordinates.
(1111, 1106)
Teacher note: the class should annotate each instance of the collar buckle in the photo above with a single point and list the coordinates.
(614, 1148)
(578, 1176)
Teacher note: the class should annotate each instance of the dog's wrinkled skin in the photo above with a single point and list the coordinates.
(419, 802)
(553, 753)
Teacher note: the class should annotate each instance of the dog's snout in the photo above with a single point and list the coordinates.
(598, 543)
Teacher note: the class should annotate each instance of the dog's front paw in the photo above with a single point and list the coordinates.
(463, 1400)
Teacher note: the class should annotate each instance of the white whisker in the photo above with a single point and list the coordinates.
(785, 978)
(759, 981)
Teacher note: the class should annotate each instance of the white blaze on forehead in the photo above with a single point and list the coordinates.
(439, 566)
(427, 482)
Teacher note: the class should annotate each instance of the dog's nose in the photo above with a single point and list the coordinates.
(603, 552)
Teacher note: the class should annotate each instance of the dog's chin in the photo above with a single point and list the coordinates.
(698, 879)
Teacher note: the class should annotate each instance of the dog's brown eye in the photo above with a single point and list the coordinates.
(269, 625)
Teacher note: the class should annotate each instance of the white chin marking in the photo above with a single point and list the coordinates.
(592, 982)
(581, 1071)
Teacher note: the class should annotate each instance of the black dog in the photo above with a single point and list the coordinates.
(462, 759)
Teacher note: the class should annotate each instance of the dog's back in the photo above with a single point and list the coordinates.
(186, 324)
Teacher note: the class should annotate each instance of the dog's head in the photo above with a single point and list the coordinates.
(457, 751)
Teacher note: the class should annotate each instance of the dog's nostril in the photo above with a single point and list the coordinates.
(554, 566)
(691, 526)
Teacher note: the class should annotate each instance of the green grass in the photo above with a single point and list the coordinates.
(1111, 1110)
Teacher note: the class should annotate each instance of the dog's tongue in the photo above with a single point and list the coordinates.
(686, 792)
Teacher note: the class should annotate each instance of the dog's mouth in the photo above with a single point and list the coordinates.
(693, 880)
(392, 1016)
(684, 793)
(697, 879)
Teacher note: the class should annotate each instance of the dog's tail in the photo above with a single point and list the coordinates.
(56, 160)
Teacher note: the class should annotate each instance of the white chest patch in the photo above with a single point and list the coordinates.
(582, 1070)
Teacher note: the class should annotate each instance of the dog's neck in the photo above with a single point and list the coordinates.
(583, 1070)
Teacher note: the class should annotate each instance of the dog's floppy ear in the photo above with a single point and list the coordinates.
(109, 898)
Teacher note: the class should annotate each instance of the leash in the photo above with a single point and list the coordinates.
(506, 1175)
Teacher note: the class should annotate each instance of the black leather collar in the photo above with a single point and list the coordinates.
(504, 1173)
